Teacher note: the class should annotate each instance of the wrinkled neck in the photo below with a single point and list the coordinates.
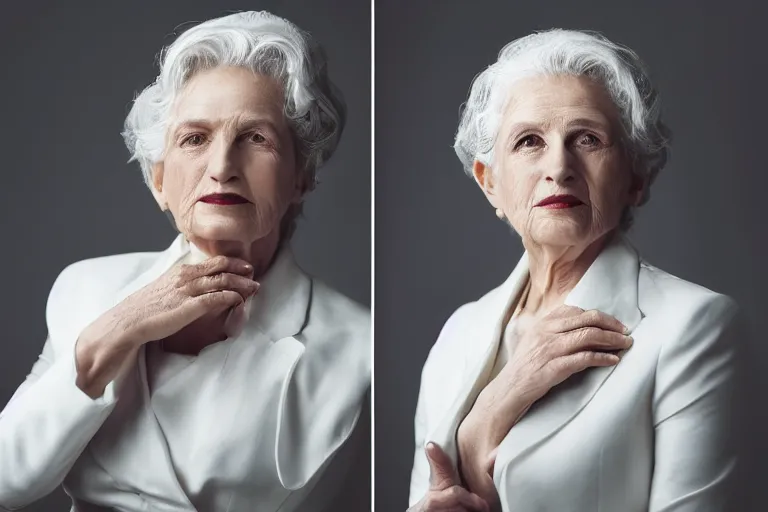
(259, 253)
(555, 271)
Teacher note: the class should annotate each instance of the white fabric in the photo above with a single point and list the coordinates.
(263, 422)
(651, 434)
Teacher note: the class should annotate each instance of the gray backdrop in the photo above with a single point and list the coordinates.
(438, 242)
(69, 74)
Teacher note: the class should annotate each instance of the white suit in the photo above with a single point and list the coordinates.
(650, 434)
(260, 422)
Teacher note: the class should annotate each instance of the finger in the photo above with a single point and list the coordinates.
(565, 366)
(215, 302)
(245, 286)
(219, 264)
(192, 309)
(473, 502)
(455, 498)
(594, 339)
(591, 318)
(442, 474)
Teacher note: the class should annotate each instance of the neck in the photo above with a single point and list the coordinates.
(259, 253)
(554, 272)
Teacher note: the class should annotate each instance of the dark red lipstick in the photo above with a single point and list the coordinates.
(560, 201)
(224, 199)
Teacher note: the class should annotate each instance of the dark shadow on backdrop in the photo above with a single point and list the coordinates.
(69, 75)
(438, 242)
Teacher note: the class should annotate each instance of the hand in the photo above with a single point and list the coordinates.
(566, 341)
(445, 491)
(180, 296)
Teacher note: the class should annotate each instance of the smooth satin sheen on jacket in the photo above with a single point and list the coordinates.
(652, 434)
(264, 421)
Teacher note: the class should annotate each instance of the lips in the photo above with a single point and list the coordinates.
(224, 199)
(560, 201)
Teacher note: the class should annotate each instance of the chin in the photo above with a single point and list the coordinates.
(229, 229)
(565, 234)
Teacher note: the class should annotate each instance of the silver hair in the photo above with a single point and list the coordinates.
(568, 52)
(265, 44)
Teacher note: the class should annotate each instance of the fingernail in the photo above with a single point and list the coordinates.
(248, 267)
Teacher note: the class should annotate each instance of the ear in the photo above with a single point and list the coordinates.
(486, 181)
(637, 188)
(157, 185)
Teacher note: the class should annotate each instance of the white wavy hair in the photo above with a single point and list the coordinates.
(259, 41)
(568, 52)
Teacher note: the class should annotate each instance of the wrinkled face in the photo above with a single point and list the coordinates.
(230, 170)
(560, 174)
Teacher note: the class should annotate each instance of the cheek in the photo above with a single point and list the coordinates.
(180, 182)
(272, 181)
(611, 191)
(517, 189)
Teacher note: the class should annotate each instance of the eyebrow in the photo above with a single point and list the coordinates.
(246, 124)
(581, 122)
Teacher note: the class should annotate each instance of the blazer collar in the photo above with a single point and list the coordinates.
(609, 285)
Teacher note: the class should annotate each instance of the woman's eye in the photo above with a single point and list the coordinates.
(258, 138)
(195, 139)
(529, 141)
(589, 140)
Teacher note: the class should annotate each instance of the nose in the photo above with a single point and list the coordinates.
(223, 162)
(559, 165)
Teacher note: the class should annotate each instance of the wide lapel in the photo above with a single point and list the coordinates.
(610, 286)
(324, 374)
(486, 327)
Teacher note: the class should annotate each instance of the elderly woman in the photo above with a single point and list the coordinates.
(215, 375)
(589, 380)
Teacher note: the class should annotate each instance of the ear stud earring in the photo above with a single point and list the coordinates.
(499, 213)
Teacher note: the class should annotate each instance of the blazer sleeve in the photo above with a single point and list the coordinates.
(695, 409)
(444, 365)
(48, 421)
(420, 471)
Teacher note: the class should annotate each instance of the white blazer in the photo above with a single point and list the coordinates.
(265, 421)
(650, 434)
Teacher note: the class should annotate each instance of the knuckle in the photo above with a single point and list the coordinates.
(227, 280)
(219, 261)
(593, 315)
(587, 335)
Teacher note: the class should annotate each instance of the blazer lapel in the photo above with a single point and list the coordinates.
(486, 331)
(610, 286)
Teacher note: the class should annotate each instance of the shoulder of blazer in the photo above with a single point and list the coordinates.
(692, 324)
(88, 285)
(661, 293)
(454, 343)
(335, 318)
